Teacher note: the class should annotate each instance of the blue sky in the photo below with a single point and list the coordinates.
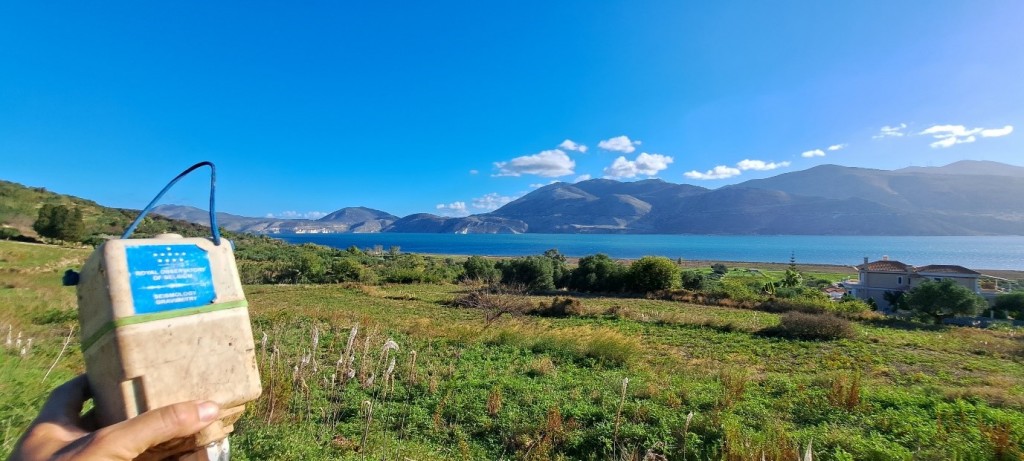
(457, 107)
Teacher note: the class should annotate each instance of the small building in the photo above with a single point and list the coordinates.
(876, 278)
(835, 293)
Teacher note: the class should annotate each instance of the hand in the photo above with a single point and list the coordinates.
(60, 432)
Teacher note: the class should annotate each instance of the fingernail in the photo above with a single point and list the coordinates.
(208, 411)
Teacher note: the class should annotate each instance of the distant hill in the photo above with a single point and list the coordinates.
(428, 223)
(982, 167)
(939, 191)
(596, 205)
(345, 220)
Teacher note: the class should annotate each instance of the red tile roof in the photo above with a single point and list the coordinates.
(945, 269)
(885, 265)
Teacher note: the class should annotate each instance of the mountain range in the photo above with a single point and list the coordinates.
(962, 198)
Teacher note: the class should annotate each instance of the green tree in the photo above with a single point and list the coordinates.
(1012, 304)
(944, 299)
(73, 228)
(653, 273)
(536, 273)
(598, 273)
(59, 222)
(793, 278)
(559, 269)
(481, 269)
(896, 299)
(44, 221)
(347, 270)
(693, 280)
(311, 267)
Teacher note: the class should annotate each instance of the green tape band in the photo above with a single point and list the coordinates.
(156, 316)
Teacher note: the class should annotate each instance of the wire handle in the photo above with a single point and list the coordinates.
(213, 215)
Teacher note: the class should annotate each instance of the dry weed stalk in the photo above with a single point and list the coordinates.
(61, 354)
(618, 412)
(346, 363)
(368, 405)
(686, 430)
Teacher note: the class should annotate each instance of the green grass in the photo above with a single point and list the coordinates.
(550, 388)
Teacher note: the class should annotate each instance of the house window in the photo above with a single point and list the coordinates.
(899, 280)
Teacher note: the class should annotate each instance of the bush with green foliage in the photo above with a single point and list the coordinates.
(719, 269)
(693, 280)
(536, 273)
(480, 269)
(8, 233)
(808, 326)
(59, 222)
(598, 274)
(944, 299)
(653, 273)
(735, 289)
(1011, 304)
(559, 269)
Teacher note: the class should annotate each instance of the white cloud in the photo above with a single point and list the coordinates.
(951, 135)
(491, 201)
(645, 164)
(453, 209)
(950, 141)
(619, 144)
(474, 171)
(836, 147)
(760, 165)
(297, 215)
(997, 132)
(719, 172)
(549, 164)
(569, 144)
(890, 131)
(946, 131)
(813, 153)
(581, 178)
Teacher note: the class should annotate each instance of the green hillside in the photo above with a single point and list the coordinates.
(19, 207)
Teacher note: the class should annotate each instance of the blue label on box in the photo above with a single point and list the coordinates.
(169, 277)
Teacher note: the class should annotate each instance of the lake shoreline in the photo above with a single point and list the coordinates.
(761, 265)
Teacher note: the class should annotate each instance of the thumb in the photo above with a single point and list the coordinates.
(138, 434)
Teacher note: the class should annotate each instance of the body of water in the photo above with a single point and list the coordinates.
(1002, 252)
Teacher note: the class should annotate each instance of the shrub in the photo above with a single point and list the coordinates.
(941, 300)
(693, 280)
(480, 269)
(719, 268)
(653, 273)
(1012, 304)
(598, 273)
(611, 347)
(536, 273)
(348, 270)
(734, 289)
(560, 307)
(541, 366)
(495, 301)
(800, 325)
(7, 233)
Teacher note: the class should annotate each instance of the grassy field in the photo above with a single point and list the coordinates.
(395, 372)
